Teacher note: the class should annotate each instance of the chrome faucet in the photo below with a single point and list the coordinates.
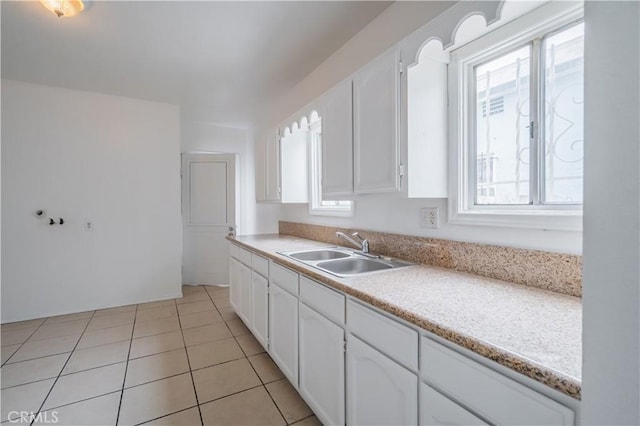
(362, 244)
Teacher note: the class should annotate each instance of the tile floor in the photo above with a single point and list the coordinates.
(187, 361)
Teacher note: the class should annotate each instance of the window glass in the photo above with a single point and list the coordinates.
(564, 120)
(502, 88)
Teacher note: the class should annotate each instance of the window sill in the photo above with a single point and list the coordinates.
(331, 212)
(555, 220)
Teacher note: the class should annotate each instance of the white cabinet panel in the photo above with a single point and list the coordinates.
(260, 264)
(337, 142)
(244, 281)
(260, 303)
(390, 337)
(284, 278)
(329, 303)
(283, 331)
(322, 366)
(497, 398)
(294, 167)
(436, 409)
(376, 129)
(272, 167)
(244, 256)
(379, 391)
(234, 284)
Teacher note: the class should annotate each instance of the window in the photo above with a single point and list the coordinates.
(520, 97)
(318, 206)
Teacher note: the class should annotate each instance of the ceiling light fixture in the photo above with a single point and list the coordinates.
(63, 8)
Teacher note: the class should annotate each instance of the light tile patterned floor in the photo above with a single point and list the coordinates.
(188, 361)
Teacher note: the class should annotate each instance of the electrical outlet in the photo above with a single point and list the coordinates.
(429, 217)
(89, 226)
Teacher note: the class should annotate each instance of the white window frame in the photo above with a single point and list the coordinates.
(316, 206)
(462, 211)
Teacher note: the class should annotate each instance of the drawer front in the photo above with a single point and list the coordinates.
(260, 265)
(388, 336)
(234, 250)
(283, 277)
(437, 409)
(328, 302)
(244, 256)
(497, 398)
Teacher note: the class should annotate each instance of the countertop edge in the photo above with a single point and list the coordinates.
(549, 377)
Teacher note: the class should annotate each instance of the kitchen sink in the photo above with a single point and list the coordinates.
(353, 266)
(344, 262)
(317, 255)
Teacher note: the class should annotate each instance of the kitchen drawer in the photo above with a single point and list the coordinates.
(388, 336)
(284, 278)
(260, 265)
(328, 302)
(244, 256)
(437, 409)
(496, 398)
(234, 250)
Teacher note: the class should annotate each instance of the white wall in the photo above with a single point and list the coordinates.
(85, 157)
(401, 216)
(388, 214)
(611, 298)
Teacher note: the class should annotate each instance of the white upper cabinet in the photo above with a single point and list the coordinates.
(337, 142)
(268, 168)
(376, 126)
(294, 165)
(282, 165)
(427, 123)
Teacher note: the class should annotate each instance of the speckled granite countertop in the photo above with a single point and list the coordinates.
(534, 332)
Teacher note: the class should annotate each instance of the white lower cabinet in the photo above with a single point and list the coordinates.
(322, 366)
(437, 409)
(379, 390)
(491, 395)
(283, 331)
(260, 307)
(303, 325)
(234, 284)
(244, 285)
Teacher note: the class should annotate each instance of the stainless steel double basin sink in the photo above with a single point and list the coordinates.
(343, 262)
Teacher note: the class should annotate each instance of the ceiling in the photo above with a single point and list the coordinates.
(228, 58)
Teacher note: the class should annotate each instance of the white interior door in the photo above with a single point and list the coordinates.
(208, 197)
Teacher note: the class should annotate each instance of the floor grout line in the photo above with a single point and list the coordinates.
(193, 382)
(252, 367)
(124, 379)
(26, 340)
(167, 415)
(82, 400)
(62, 369)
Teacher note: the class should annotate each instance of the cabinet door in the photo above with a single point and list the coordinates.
(376, 130)
(379, 390)
(234, 284)
(244, 280)
(272, 167)
(261, 170)
(260, 303)
(322, 366)
(436, 409)
(337, 142)
(283, 331)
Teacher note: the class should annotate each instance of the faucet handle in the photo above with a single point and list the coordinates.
(358, 236)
